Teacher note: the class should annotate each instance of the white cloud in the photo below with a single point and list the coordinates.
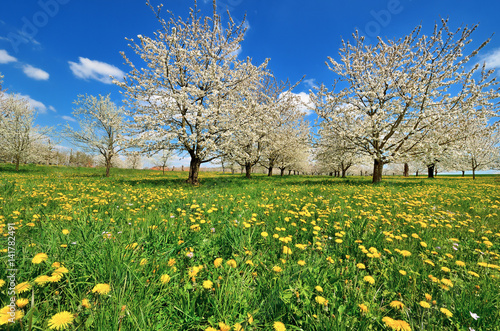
(52, 109)
(68, 118)
(91, 69)
(5, 57)
(310, 83)
(35, 73)
(492, 59)
(306, 105)
(38, 105)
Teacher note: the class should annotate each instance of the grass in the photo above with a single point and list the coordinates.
(294, 249)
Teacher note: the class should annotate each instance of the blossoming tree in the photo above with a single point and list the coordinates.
(186, 95)
(395, 93)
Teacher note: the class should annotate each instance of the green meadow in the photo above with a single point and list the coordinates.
(144, 251)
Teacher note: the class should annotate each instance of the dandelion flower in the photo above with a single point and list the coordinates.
(86, 303)
(446, 312)
(320, 300)
(39, 258)
(424, 304)
(287, 250)
(397, 304)
(224, 327)
(208, 284)
(447, 282)
(428, 297)
(101, 289)
(299, 262)
(402, 272)
(23, 287)
(278, 326)
(61, 320)
(405, 253)
(460, 263)
(363, 308)
(165, 278)
(210, 329)
(42, 280)
(445, 269)
(22, 302)
(318, 288)
(360, 266)
(277, 269)
(264, 234)
(472, 273)
(143, 262)
(2, 282)
(231, 263)
(369, 279)
(65, 231)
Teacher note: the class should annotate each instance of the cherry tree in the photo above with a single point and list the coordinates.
(102, 128)
(161, 159)
(18, 132)
(187, 93)
(395, 93)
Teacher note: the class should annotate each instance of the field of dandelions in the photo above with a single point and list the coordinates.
(144, 251)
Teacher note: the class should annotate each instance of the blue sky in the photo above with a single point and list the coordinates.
(53, 50)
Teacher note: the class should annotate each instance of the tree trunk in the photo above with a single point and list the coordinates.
(406, 170)
(435, 171)
(17, 163)
(473, 169)
(270, 171)
(331, 174)
(463, 173)
(163, 168)
(194, 169)
(289, 172)
(416, 173)
(378, 167)
(430, 171)
(248, 170)
(108, 166)
(282, 172)
(344, 171)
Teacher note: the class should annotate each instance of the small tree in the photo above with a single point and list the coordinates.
(102, 127)
(18, 132)
(161, 159)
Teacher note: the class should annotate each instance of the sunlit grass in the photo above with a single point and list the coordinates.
(316, 253)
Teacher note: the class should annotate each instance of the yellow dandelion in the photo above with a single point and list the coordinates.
(231, 263)
(65, 231)
(218, 262)
(424, 304)
(287, 250)
(278, 326)
(61, 320)
(473, 273)
(299, 262)
(210, 329)
(224, 327)
(237, 327)
(56, 265)
(447, 282)
(143, 262)
(369, 279)
(445, 269)
(428, 297)
(165, 278)
(423, 244)
(2, 282)
(39, 258)
(23, 287)
(208, 284)
(363, 308)
(405, 253)
(21, 303)
(360, 266)
(402, 272)
(446, 312)
(101, 289)
(318, 288)
(86, 303)
(460, 263)
(277, 269)
(320, 300)
(61, 270)
(264, 234)
(42, 280)
(397, 304)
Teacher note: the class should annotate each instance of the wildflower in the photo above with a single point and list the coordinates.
(360, 266)
(460, 263)
(299, 262)
(445, 269)
(277, 269)
(320, 300)
(278, 326)
(474, 315)
(23, 287)
(171, 262)
(287, 250)
(318, 288)
(363, 308)
(207, 284)
(397, 304)
(65, 231)
(428, 297)
(165, 278)
(264, 234)
(86, 303)
(446, 312)
(39, 258)
(447, 282)
(224, 327)
(2, 282)
(143, 262)
(473, 273)
(210, 329)
(101, 289)
(369, 279)
(423, 244)
(190, 254)
(41, 280)
(424, 304)
(231, 263)
(237, 327)
(405, 253)
(61, 320)
(402, 272)
(22, 302)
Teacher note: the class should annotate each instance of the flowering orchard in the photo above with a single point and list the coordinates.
(145, 251)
